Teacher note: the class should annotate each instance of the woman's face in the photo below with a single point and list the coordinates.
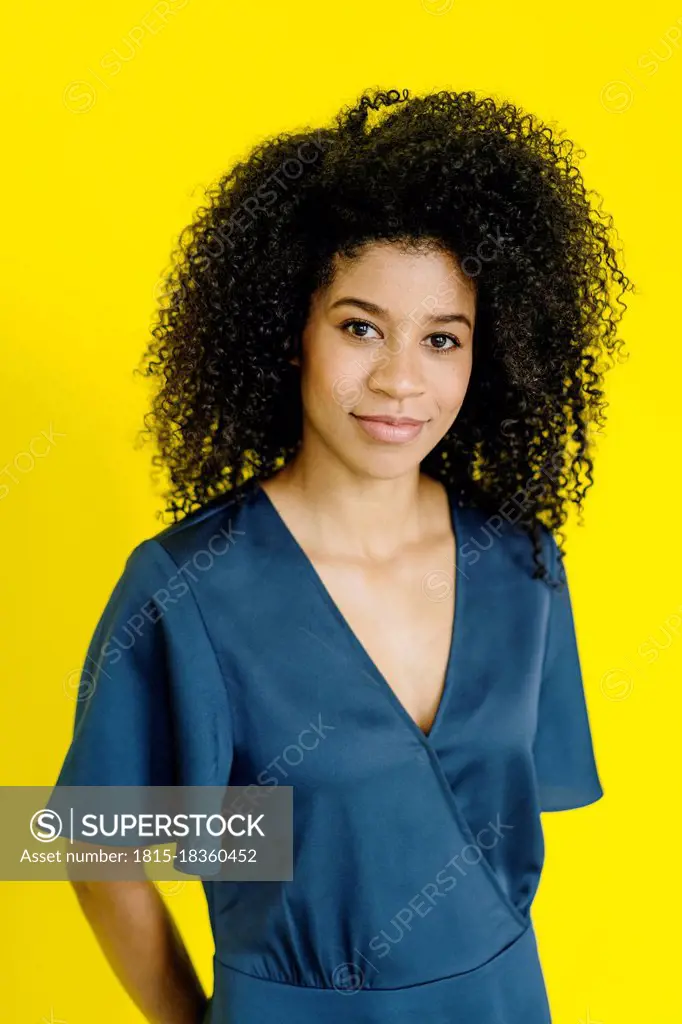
(389, 340)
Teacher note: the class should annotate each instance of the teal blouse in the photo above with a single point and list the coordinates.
(221, 658)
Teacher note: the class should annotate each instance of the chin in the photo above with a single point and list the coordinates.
(388, 465)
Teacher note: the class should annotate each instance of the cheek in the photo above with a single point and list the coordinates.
(449, 384)
(335, 379)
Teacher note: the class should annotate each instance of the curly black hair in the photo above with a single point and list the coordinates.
(485, 180)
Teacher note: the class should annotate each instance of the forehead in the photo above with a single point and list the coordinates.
(399, 279)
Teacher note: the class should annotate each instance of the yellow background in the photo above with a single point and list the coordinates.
(114, 116)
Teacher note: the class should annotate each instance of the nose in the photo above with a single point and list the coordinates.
(397, 370)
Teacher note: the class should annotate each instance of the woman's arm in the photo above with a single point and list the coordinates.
(140, 939)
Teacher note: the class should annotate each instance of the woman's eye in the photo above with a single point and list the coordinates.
(362, 325)
(442, 342)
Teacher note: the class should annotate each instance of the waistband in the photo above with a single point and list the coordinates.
(509, 989)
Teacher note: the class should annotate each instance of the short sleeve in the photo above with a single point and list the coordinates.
(151, 707)
(566, 772)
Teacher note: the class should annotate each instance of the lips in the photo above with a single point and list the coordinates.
(390, 429)
(395, 421)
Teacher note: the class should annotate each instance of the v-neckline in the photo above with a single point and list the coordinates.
(371, 667)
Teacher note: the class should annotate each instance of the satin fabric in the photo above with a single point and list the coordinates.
(221, 658)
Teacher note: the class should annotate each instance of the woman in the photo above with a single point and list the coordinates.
(380, 356)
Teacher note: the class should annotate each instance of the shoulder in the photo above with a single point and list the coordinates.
(493, 540)
(203, 534)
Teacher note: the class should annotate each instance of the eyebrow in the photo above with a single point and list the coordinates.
(371, 307)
